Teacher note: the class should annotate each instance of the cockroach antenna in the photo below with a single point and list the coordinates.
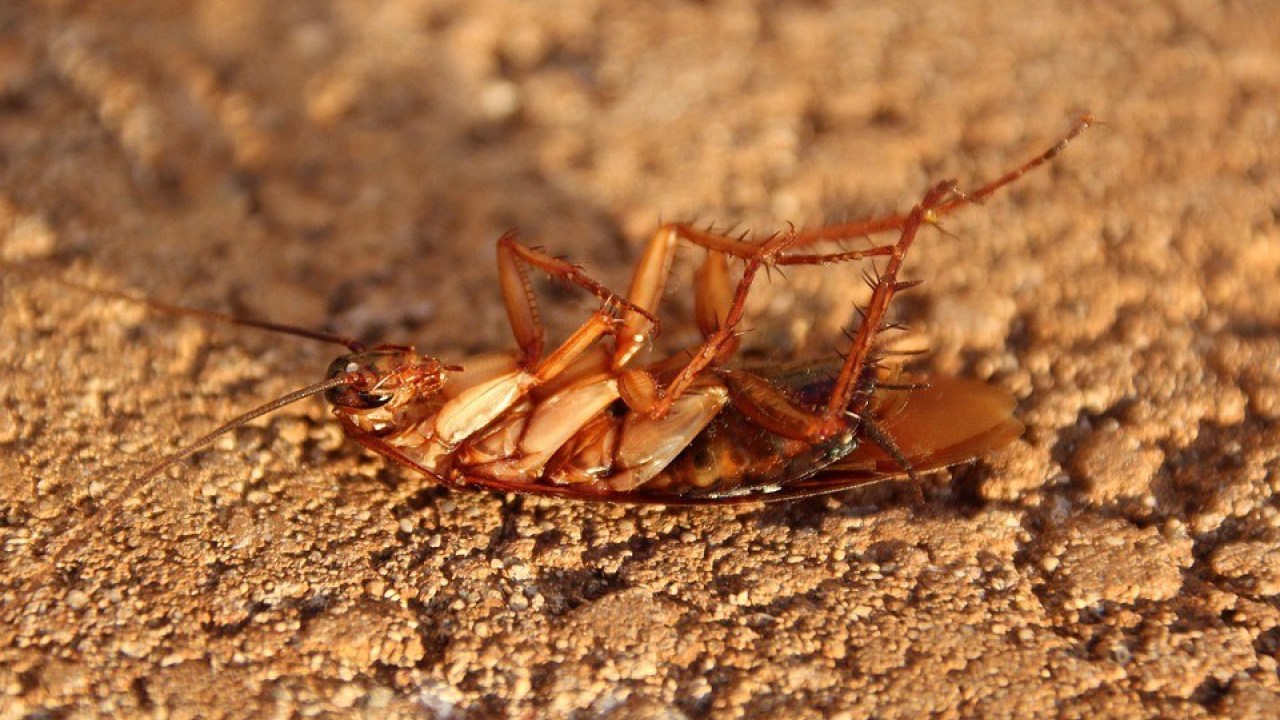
(115, 501)
(49, 273)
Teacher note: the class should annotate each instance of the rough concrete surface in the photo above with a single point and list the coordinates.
(349, 163)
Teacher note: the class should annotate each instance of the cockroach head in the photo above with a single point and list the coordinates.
(382, 375)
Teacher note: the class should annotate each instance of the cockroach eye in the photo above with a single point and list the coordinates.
(350, 396)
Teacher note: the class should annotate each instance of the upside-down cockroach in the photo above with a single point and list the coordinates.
(594, 419)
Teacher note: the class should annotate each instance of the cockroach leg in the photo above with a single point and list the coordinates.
(981, 194)
(522, 305)
(712, 293)
(724, 338)
(647, 285)
(872, 226)
(767, 406)
(940, 200)
(479, 405)
(371, 442)
(713, 290)
(600, 323)
(764, 404)
(885, 442)
(715, 302)
(882, 294)
(713, 296)
(520, 301)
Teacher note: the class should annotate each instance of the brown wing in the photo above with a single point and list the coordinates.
(950, 421)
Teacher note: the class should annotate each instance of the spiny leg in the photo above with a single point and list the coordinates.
(636, 322)
(629, 320)
(712, 296)
(940, 200)
(872, 226)
(769, 407)
(724, 338)
(789, 420)
(713, 290)
(522, 311)
(522, 304)
(721, 340)
(981, 194)
(885, 288)
(651, 274)
(718, 322)
(715, 301)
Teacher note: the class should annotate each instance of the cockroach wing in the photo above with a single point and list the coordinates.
(950, 421)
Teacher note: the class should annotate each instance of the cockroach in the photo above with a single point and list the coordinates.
(592, 420)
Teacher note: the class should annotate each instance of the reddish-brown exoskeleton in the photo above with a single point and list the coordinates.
(590, 420)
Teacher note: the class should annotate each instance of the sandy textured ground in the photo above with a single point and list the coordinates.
(351, 163)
